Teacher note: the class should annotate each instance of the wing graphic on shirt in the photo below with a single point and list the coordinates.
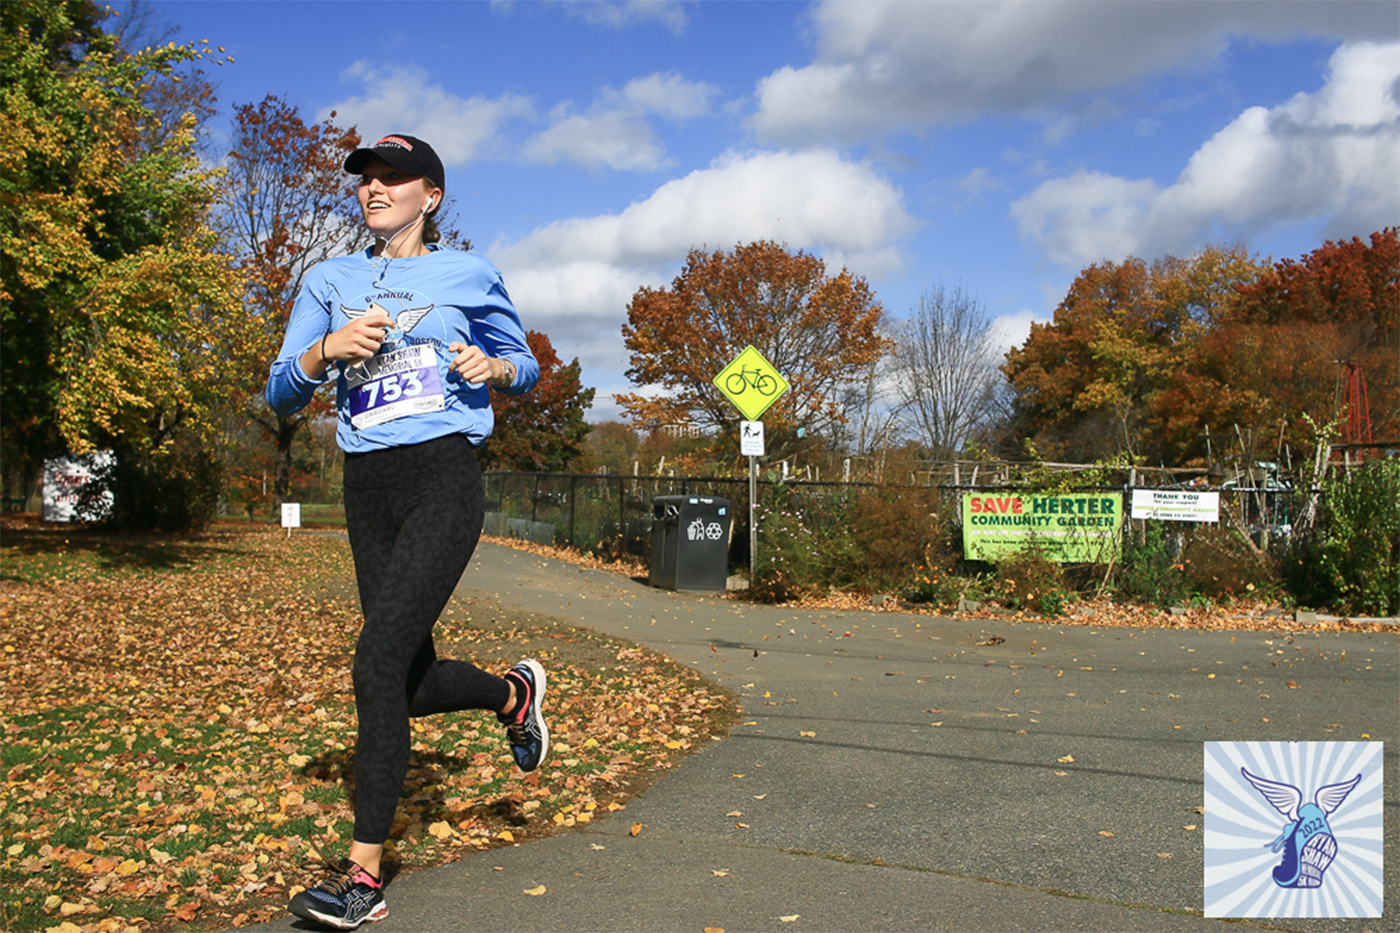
(405, 322)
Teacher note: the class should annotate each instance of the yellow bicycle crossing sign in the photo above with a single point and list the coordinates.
(751, 383)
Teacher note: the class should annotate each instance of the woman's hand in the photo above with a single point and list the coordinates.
(353, 343)
(473, 365)
(358, 340)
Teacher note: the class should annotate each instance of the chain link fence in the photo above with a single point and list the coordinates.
(592, 513)
(612, 514)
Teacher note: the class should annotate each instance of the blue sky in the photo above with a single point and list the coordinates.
(999, 146)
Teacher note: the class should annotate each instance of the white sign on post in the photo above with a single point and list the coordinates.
(291, 516)
(1175, 505)
(751, 438)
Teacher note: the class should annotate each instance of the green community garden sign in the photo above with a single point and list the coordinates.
(1078, 527)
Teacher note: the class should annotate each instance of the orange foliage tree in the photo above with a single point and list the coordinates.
(1090, 385)
(542, 431)
(1140, 360)
(819, 331)
(288, 204)
(1283, 350)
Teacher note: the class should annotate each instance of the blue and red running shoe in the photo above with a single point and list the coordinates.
(525, 728)
(348, 897)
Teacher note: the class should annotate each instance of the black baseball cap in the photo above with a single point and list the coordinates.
(405, 153)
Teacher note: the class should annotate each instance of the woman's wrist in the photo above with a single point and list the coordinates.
(507, 373)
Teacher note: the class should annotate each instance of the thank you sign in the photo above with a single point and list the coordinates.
(1176, 505)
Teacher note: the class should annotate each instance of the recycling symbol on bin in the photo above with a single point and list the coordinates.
(699, 531)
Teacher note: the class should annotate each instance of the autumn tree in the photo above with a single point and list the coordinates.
(947, 363)
(1090, 384)
(1278, 359)
(287, 204)
(111, 287)
(543, 430)
(184, 105)
(819, 331)
(613, 445)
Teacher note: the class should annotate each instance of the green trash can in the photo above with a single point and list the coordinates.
(690, 543)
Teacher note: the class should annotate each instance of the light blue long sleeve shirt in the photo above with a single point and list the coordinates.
(406, 394)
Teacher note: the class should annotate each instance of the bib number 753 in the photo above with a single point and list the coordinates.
(394, 385)
(392, 388)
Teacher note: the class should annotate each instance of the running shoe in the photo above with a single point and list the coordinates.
(347, 898)
(525, 728)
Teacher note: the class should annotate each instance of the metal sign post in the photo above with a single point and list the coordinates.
(751, 445)
(752, 384)
(753, 521)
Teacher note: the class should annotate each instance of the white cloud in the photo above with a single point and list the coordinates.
(669, 95)
(1011, 330)
(620, 14)
(573, 278)
(897, 65)
(809, 199)
(405, 100)
(978, 182)
(1088, 214)
(615, 133)
(1332, 156)
(607, 140)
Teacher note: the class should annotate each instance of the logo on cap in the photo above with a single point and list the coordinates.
(395, 141)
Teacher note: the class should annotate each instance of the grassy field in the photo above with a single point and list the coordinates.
(178, 723)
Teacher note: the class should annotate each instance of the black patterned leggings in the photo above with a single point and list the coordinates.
(414, 515)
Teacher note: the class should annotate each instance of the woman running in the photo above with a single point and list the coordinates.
(413, 334)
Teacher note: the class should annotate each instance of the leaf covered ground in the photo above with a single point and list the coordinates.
(178, 722)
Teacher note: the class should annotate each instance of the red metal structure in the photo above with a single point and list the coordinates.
(1356, 429)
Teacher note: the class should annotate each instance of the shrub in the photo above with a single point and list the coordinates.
(934, 587)
(1219, 563)
(774, 586)
(1151, 572)
(170, 490)
(1027, 580)
(804, 538)
(899, 531)
(852, 538)
(1351, 557)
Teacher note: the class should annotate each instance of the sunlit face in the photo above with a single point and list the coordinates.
(390, 199)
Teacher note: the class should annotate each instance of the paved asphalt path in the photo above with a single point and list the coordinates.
(904, 772)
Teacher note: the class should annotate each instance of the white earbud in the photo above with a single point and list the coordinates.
(427, 207)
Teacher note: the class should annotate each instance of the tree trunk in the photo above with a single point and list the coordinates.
(287, 429)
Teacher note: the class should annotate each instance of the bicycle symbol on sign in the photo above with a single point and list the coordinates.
(738, 383)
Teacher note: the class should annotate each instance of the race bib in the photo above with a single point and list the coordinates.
(394, 385)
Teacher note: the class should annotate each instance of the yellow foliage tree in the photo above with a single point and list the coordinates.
(115, 301)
